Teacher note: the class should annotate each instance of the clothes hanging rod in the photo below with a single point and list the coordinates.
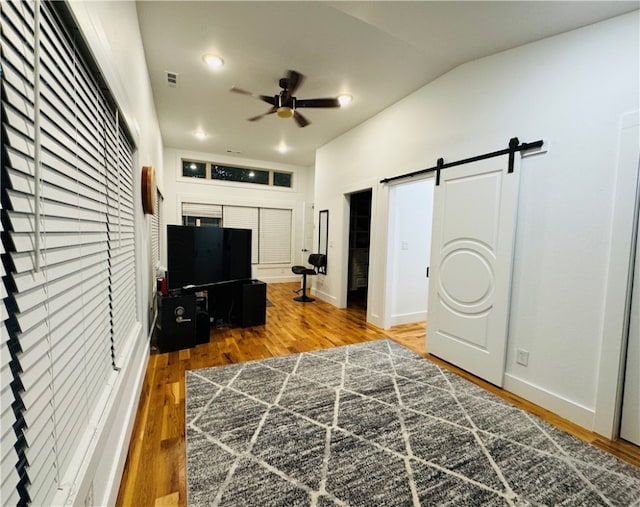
(514, 145)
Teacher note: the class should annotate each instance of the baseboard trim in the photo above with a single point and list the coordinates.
(325, 297)
(408, 318)
(279, 279)
(574, 412)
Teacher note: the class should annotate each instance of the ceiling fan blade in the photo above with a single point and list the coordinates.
(317, 103)
(294, 80)
(270, 111)
(300, 120)
(264, 98)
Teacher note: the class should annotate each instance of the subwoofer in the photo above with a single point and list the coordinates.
(251, 304)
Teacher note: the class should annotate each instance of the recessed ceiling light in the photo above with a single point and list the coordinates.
(283, 148)
(200, 135)
(344, 99)
(213, 61)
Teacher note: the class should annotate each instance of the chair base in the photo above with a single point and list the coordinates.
(304, 299)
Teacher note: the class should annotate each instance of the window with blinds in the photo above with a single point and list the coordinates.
(197, 214)
(68, 220)
(242, 217)
(275, 236)
(270, 227)
(156, 227)
(9, 477)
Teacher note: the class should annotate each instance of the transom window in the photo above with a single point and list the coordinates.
(213, 171)
(194, 169)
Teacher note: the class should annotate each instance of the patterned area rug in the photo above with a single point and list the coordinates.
(376, 425)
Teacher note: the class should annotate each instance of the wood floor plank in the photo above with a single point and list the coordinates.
(154, 473)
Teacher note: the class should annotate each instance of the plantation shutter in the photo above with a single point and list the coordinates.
(70, 289)
(194, 209)
(275, 236)
(242, 217)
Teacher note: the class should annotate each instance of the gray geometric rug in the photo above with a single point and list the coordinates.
(374, 424)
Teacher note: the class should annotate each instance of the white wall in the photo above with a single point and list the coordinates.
(571, 89)
(111, 29)
(239, 194)
(409, 251)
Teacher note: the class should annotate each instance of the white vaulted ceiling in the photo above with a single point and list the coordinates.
(378, 52)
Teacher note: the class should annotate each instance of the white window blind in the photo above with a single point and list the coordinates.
(156, 227)
(193, 209)
(68, 203)
(9, 478)
(28, 337)
(17, 53)
(122, 256)
(242, 217)
(275, 236)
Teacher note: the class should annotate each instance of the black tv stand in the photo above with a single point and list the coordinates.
(180, 321)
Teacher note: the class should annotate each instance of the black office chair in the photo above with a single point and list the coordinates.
(317, 261)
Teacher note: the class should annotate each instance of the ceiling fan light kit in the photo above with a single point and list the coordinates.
(285, 104)
(285, 112)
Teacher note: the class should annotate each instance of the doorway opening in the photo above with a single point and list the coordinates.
(410, 219)
(359, 243)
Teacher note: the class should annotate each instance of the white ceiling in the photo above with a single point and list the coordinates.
(379, 52)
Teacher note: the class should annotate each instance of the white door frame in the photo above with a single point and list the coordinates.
(376, 263)
(618, 293)
(391, 235)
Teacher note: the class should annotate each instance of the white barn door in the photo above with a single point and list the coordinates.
(474, 219)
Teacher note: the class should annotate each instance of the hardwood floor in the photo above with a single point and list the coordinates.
(154, 473)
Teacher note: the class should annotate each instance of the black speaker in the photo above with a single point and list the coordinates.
(252, 303)
(202, 327)
(176, 322)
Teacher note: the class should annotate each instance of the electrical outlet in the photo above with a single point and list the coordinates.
(522, 357)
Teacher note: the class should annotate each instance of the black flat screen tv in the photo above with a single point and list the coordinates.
(207, 255)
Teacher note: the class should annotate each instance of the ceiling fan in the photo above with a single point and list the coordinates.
(285, 104)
